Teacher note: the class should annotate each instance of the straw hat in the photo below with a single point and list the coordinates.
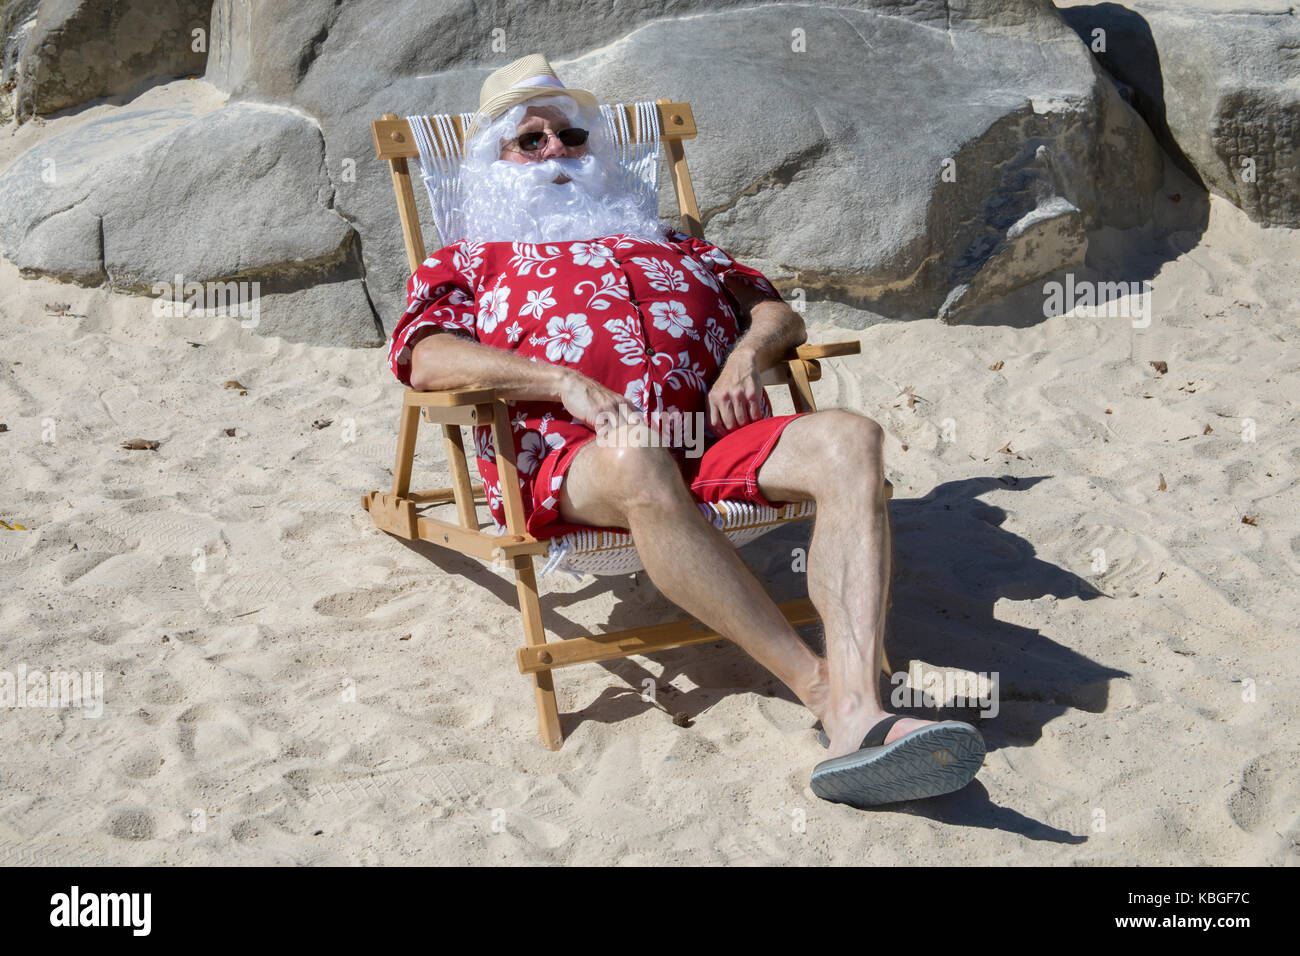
(525, 79)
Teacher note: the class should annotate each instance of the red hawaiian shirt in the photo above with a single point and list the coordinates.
(649, 319)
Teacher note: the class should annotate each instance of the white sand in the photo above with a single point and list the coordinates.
(237, 598)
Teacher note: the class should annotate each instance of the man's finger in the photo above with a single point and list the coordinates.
(726, 413)
(715, 420)
(740, 409)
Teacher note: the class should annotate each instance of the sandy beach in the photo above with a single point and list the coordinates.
(1104, 517)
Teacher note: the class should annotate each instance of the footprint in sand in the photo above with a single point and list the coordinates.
(1269, 787)
(131, 823)
(357, 603)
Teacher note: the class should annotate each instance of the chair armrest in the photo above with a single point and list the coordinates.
(825, 350)
(780, 373)
(450, 397)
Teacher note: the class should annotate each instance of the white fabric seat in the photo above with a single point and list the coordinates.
(605, 552)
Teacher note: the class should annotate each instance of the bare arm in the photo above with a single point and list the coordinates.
(443, 360)
(774, 330)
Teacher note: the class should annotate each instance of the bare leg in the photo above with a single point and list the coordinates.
(835, 458)
(689, 560)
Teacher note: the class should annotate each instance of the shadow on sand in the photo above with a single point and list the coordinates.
(954, 563)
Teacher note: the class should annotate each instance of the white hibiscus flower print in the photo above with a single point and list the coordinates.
(631, 242)
(534, 447)
(613, 288)
(701, 272)
(467, 257)
(538, 302)
(513, 333)
(661, 275)
(417, 296)
(451, 317)
(672, 318)
(484, 447)
(627, 340)
(591, 254)
(715, 339)
(568, 337)
(493, 308)
(529, 257)
(687, 373)
(717, 256)
(638, 392)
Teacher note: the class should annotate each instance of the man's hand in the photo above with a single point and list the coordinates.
(593, 404)
(736, 398)
(737, 395)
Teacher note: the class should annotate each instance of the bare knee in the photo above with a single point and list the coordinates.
(854, 448)
(645, 477)
(608, 484)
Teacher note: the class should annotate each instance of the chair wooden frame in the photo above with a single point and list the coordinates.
(453, 409)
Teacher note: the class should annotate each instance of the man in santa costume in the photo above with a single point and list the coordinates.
(569, 297)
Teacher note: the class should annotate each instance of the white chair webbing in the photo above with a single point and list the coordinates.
(638, 155)
(606, 552)
(439, 162)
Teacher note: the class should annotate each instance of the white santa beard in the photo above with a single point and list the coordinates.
(521, 202)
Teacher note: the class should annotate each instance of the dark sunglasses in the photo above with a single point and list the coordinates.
(532, 142)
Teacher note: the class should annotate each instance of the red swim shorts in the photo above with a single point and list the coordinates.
(727, 471)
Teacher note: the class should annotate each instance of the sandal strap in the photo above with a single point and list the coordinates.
(876, 735)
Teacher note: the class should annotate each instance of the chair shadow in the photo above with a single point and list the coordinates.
(954, 563)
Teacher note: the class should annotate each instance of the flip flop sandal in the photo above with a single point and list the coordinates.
(936, 759)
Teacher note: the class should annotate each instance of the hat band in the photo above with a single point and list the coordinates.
(542, 80)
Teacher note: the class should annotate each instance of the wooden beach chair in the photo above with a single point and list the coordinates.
(436, 143)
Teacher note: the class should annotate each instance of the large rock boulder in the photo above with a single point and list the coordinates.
(1219, 82)
(17, 20)
(268, 48)
(78, 50)
(911, 158)
(142, 196)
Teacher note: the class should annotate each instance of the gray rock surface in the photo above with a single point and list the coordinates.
(78, 50)
(915, 158)
(1219, 83)
(17, 19)
(141, 196)
(823, 167)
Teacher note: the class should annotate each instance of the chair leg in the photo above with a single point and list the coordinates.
(406, 432)
(548, 712)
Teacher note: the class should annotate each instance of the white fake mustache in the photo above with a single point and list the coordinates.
(584, 170)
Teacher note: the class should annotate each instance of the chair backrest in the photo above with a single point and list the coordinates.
(436, 142)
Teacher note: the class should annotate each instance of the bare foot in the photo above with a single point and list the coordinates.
(846, 735)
